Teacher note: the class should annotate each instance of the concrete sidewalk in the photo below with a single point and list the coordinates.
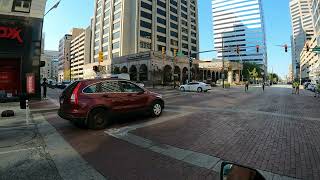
(36, 151)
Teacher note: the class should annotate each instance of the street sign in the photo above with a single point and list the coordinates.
(316, 49)
(100, 58)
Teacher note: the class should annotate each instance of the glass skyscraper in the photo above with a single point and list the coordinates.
(239, 23)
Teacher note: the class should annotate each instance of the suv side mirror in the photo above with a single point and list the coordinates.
(231, 171)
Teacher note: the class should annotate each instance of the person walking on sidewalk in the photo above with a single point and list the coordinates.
(44, 87)
(246, 86)
(263, 86)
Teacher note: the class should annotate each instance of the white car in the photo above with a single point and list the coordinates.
(195, 86)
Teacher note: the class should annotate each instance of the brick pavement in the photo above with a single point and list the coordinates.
(279, 144)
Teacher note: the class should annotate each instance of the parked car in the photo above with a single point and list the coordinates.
(195, 86)
(311, 87)
(92, 102)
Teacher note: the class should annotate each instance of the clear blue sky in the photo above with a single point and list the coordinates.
(276, 12)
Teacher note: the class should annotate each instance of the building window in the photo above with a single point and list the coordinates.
(115, 55)
(116, 35)
(117, 7)
(146, 5)
(174, 18)
(174, 2)
(174, 10)
(160, 47)
(184, 15)
(146, 15)
(145, 34)
(116, 16)
(162, 4)
(145, 45)
(184, 45)
(163, 13)
(161, 21)
(173, 25)
(183, 22)
(174, 42)
(145, 24)
(193, 41)
(194, 48)
(184, 9)
(21, 6)
(174, 34)
(162, 30)
(116, 45)
(116, 25)
(161, 39)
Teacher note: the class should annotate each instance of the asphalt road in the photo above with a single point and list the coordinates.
(274, 131)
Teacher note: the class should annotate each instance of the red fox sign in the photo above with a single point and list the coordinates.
(10, 33)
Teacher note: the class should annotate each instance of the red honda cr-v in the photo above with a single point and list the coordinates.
(91, 102)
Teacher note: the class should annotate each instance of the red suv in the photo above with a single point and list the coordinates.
(91, 102)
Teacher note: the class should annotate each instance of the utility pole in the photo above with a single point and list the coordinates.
(222, 63)
(190, 65)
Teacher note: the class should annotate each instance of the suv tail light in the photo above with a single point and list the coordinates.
(74, 99)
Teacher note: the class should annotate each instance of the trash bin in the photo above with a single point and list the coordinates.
(23, 98)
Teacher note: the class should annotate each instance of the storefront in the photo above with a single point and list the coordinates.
(20, 50)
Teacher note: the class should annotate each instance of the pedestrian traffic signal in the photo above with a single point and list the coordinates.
(174, 53)
(95, 68)
(238, 50)
(285, 48)
(257, 47)
(100, 58)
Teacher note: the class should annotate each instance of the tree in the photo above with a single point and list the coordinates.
(273, 77)
(249, 68)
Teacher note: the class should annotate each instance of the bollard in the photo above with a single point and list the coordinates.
(27, 112)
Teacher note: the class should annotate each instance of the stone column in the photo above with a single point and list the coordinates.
(238, 77)
(230, 77)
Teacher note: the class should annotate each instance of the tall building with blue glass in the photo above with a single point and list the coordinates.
(239, 24)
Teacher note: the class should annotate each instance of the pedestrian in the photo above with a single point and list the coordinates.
(246, 86)
(44, 87)
(263, 85)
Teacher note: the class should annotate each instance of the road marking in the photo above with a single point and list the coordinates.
(194, 158)
(69, 162)
(19, 150)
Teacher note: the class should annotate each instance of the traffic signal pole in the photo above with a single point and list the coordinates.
(190, 65)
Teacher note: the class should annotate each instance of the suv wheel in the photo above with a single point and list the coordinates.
(199, 89)
(182, 89)
(98, 119)
(156, 109)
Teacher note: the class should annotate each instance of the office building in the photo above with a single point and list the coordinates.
(20, 47)
(64, 72)
(48, 71)
(239, 24)
(309, 62)
(124, 27)
(80, 53)
(302, 30)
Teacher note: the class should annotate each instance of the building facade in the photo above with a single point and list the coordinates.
(239, 24)
(123, 27)
(50, 69)
(309, 62)
(20, 46)
(80, 52)
(302, 30)
(64, 69)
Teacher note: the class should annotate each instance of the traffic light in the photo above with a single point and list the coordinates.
(238, 50)
(100, 58)
(285, 48)
(95, 68)
(257, 47)
(163, 51)
(307, 47)
(174, 53)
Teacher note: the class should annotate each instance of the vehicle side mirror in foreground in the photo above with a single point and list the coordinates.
(231, 171)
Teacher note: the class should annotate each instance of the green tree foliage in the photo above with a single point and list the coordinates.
(251, 71)
(273, 77)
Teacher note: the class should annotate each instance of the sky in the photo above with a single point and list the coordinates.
(276, 15)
